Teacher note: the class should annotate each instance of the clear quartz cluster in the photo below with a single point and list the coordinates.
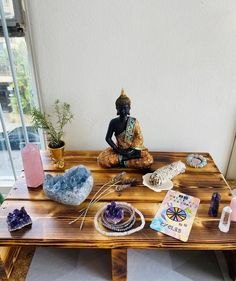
(72, 188)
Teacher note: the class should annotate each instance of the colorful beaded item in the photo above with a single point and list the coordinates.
(125, 227)
(196, 160)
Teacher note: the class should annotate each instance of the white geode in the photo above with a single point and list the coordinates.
(72, 188)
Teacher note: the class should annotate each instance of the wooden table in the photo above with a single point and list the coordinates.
(50, 219)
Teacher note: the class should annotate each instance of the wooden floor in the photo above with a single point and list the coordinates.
(22, 264)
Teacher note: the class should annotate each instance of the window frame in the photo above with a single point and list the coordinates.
(15, 25)
(12, 25)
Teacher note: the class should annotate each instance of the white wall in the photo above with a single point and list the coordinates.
(175, 59)
(231, 173)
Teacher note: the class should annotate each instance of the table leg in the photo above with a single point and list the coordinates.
(8, 256)
(119, 264)
(230, 257)
(2, 270)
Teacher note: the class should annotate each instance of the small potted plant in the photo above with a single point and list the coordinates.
(54, 130)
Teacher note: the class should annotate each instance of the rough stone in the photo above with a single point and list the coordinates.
(72, 188)
(18, 219)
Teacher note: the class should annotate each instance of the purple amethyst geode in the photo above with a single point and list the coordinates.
(71, 188)
(18, 219)
(113, 213)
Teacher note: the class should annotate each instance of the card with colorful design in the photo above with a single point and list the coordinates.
(176, 214)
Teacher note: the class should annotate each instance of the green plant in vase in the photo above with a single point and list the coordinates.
(54, 130)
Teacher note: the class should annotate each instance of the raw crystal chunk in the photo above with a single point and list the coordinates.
(33, 167)
(72, 188)
(113, 213)
(18, 219)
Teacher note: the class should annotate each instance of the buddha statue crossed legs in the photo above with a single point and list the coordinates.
(129, 150)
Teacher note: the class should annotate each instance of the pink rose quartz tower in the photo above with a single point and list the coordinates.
(233, 207)
(33, 166)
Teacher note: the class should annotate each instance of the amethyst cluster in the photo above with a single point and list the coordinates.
(18, 219)
(113, 213)
(118, 217)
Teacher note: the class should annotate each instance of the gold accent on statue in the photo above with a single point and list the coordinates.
(123, 99)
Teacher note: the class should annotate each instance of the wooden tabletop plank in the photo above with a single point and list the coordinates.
(198, 185)
(89, 158)
(50, 227)
(50, 219)
(56, 210)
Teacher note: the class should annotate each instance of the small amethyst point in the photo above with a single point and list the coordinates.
(114, 214)
(18, 219)
(214, 205)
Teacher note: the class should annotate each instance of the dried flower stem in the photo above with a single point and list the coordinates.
(102, 192)
(94, 201)
(86, 211)
(96, 197)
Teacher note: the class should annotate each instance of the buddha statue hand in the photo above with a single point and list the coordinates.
(134, 153)
(129, 153)
(122, 151)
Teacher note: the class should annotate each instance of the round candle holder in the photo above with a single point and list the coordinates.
(196, 161)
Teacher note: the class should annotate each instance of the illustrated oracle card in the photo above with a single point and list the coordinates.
(176, 214)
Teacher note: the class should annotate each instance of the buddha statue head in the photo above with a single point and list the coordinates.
(123, 104)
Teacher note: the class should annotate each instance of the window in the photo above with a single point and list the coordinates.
(15, 123)
(14, 18)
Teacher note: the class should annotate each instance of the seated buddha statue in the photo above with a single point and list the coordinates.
(128, 151)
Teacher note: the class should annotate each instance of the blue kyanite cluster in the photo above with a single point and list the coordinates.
(18, 219)
(72, 188)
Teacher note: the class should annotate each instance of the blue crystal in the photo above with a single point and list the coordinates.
(18, 219)
(72, 188)
(48, 182)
